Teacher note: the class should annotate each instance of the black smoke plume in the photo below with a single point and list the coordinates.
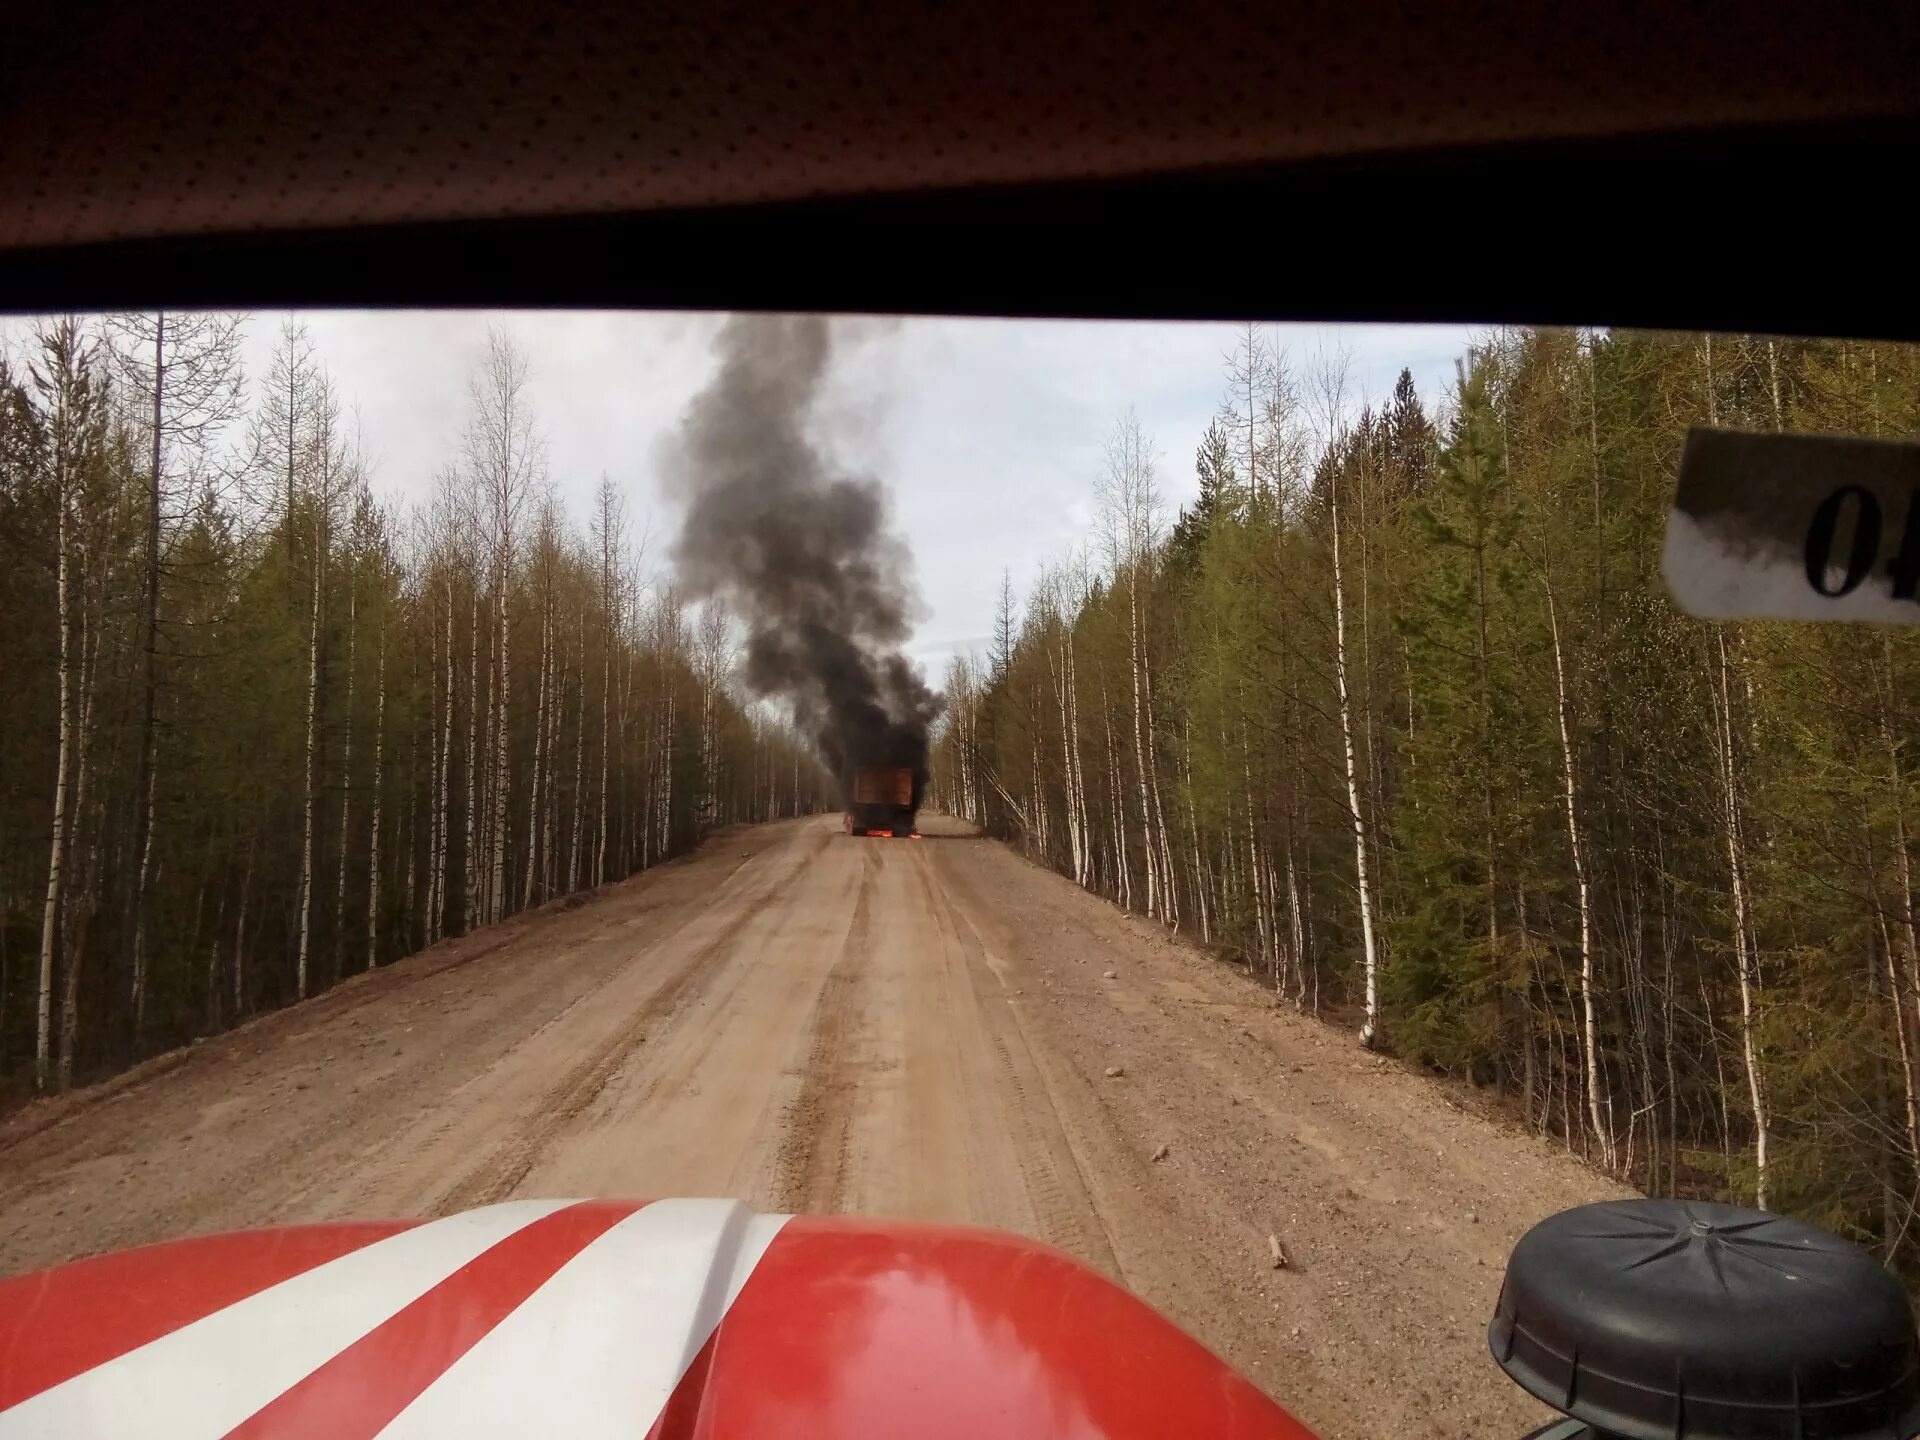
(799, 550)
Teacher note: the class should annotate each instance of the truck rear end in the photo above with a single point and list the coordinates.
(880, 801)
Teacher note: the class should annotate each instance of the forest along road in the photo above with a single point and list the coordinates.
(810, 1021)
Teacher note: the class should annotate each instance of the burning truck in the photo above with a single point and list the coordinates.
(882, 800)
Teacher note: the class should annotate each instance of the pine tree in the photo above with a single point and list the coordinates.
(1449, 970)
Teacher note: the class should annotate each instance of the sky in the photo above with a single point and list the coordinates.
(987, 433)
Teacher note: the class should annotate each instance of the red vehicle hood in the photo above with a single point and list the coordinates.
(670, 1319)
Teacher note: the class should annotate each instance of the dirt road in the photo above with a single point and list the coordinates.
(809, 1021)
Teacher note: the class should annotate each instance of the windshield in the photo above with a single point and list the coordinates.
(451, 757)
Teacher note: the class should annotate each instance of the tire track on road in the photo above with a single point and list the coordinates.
(817, 1129)
(1057, 1187)
(335, 1155)
(501, 1171)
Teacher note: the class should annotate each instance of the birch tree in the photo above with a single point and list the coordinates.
(64, 376)
(378, 795)
(1130, 521)
(1602, 1124)
(188, 366)
(506, 461)
(608, 534)
(332, 469)
(545, 553)
(1330, 384)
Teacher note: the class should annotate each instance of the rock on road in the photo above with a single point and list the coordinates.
(808, 1021)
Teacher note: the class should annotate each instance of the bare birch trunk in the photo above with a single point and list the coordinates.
(550, 882)
(534, 816)
(1075, 840)
(1079, 789)
(1743, 948)
(1370, 1026)
(1139, 747)
(579, 764)
(1590, 1040)
(1036, 794)
(144, 782)
(606, 733)
(346, 786)
(666, 770)
(1375, 789)
(1297, 928)
(497, 887)
(373, 837)
(442, 788)
(1263, 942)
(87, 860)
(1169, 892)
(1773, 384)
(407, 842)
(965, 748)
(471, 908)
(1903, 859)
(708, 798)
(483, 865)
(1910, 1083)
(1117, 799)
(56, 863)
(310, 801)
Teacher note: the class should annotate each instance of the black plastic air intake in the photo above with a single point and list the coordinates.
(1684, 1320)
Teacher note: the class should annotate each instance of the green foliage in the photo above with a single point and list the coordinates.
(1445, 977)
(1509, 643)
(245, 537)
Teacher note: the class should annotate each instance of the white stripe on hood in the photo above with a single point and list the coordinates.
(598, 1349)
(198, 1382)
